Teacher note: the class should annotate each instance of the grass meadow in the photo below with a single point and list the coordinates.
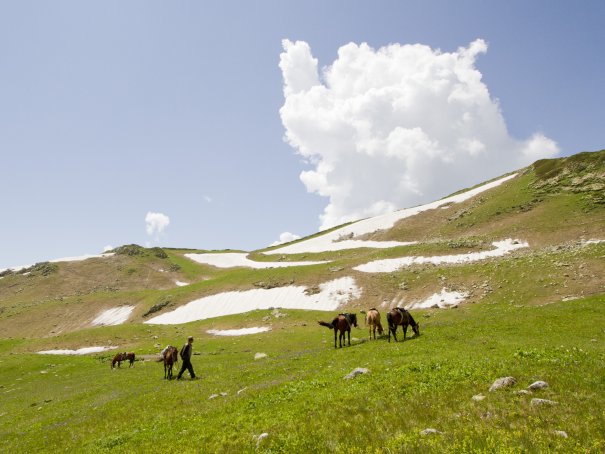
(298, 396)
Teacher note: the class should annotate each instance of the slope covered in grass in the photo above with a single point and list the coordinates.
(535, 314)
(298, 395)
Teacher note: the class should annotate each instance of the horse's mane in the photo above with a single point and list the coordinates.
(412, 321)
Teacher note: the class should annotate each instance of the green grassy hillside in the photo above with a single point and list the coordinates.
(535, 314)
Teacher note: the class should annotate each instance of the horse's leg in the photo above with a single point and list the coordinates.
(395, 333)
(405, 331)
(349, 336)
(335, 334)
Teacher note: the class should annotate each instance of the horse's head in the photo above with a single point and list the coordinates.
(416, 329)
(353, 318)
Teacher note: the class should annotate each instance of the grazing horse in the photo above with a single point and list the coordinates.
(400, 316)
(170, 357)
(343, 324)
(373, 321)
(123, 357)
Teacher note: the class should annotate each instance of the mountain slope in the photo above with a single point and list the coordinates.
(555, 206)
(534, 313)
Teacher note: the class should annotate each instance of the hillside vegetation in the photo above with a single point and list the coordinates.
(535, 314)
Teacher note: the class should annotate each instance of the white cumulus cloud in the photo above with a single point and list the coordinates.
(156, 223)
(395, 127)
(285, 237)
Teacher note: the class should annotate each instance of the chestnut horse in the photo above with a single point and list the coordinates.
(400, 316)
(373, 321)
(171, 357)
(343, 324)
(123, 357)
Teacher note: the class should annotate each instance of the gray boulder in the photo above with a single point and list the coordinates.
(357, 371)
(503, 382)
(538, 385)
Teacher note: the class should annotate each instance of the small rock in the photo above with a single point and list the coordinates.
(242, 390)
(538, 402)
(561, 433)
(357, 371)
(260, 356)
(260, 438)
(538, 385)
(503, 382)
(430, 431)
(224, 394)
(523, 392)
(478, 397)
(213, 396)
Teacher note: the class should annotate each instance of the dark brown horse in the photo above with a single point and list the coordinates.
(373, 321)
(170, 358)
(400, 316)
(343, 324)
(123, 357)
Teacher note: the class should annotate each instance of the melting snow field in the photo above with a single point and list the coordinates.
(80, 351)
(389, 265)
(441, 300)
(115, 316)
(181, 284)
(233, 259)
(238, 332)
(339, 239)
(330, 296)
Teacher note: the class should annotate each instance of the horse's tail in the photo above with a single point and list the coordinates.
(326, 324)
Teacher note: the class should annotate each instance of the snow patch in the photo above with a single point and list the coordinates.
(342, 238)
(80, 351)
(233, 259)
(115, 316)
(330, 296)
(181, 284)
(388, 265)
(239, 332)
(441, 300)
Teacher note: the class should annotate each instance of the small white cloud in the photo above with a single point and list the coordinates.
(395, 127)
(156, 223)
(208, 199)
(285, 237)
(107, 248)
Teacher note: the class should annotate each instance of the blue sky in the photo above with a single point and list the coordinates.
(111, 110)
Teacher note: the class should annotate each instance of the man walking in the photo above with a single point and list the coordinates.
(186, 352)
